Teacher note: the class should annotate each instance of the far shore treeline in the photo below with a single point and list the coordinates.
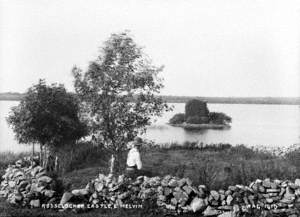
(13, 96)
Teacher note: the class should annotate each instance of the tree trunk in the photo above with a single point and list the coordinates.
(56, 164)
(112, 168)
(45, 157)
(41, 155)
(32, 149)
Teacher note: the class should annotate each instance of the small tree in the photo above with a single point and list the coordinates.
(118, 93)
(47, 115)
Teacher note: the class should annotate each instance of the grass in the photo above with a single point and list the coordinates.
(216, 165)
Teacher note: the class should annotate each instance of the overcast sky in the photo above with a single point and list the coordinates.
(208, 47)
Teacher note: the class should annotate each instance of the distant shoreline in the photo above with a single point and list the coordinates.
(183, 99)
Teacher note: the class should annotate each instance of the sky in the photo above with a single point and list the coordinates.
(237, 48)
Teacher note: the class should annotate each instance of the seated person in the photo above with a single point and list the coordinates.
(134, 163)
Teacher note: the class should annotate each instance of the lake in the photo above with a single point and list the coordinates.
(252, 124)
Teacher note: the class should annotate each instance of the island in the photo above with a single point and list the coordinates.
(197, 117)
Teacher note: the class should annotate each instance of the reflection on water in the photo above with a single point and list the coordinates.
(269, 125)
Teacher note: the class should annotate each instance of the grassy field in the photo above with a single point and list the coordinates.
(216, 166)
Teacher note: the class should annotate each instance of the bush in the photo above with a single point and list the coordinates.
(197, 120)
(177, 119)
(196, 107)
(219, 118)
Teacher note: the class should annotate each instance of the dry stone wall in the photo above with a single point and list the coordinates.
(30, 186)
(27, 184)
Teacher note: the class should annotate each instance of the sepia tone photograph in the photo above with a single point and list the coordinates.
(167, 108)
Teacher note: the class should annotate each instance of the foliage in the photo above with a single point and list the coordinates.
(196, 120)
(196, 107)
(118, 92)
(47, 115)
(177, 119)
(219, 118)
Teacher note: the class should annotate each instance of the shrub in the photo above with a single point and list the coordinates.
(197, 120)
(177, 119)
(196, 107)
(219, 118)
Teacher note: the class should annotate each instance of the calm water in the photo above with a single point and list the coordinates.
(269, 125)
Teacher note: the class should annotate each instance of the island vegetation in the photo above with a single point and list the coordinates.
(197, 116)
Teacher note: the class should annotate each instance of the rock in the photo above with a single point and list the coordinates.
(181, 182)
(35, 203)
(17, 197)
(201, 192)
(274, 185)
(3, 193)
(181, 196)
(188, 189)
(41, 173)
(45, 179)
(227, 214)
(49, 193)
(98, 186)
(80, 192)
(215, 195)
(162, 198)
(232, 188)
(271, 190)
(173, 183)
(229, 200)
(65, 198)
(261, 189)
(174, 201)
(197, 204)
(210, 211)
(297, 182)
(11, 184)
(167, 191)
(36, 170)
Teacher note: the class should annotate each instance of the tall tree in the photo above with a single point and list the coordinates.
(47, 115)
(118, 92)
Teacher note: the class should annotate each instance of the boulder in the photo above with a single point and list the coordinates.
(80, 192)
(49, 193)
(44, 179)
(197, 204)
(65, 198)
(210, 211)
(35, 203)
(229, 200)
(215, 195)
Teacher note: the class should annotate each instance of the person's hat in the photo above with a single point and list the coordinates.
(137, 141)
